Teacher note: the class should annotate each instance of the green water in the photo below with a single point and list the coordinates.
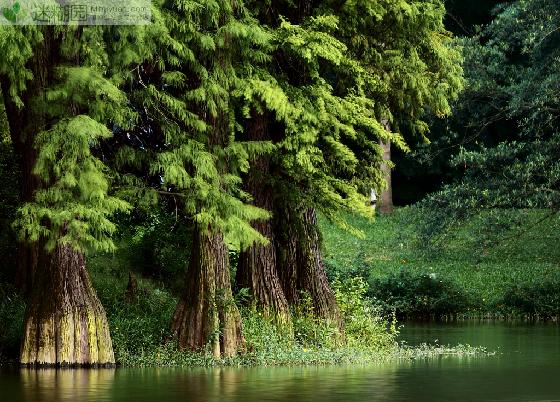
(527, 368)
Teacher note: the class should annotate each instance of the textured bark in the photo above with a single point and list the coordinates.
(301, 265)
(206, 314)
(65, 323)
(256, 269)
(386, 204)
(311, 270)
(286, 241)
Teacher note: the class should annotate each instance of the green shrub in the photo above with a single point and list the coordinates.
(12, 312)
(420, 295)
(537, 299)
(138, 326)
(311, 331)
(363, 323)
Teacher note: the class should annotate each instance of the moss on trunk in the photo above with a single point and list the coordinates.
(65, 322)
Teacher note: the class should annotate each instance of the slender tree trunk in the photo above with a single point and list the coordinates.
(65, 323)
(256, 269)
(386, 205)
(206, 314)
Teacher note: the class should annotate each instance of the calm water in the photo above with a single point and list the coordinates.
(527, 369)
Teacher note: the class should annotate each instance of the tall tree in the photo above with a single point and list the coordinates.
(341, 69)
(203, 54)
(58, 104)
(257, 265)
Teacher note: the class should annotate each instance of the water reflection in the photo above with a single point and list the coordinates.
(527, 369)
(50, 385)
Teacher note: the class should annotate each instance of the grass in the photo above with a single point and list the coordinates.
(140, 329)
(484, 259)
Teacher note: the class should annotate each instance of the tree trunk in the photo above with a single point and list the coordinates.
(311, 271)
(301, 266)
(286, 242)
(206, 314)
(65, 323)
(386, 204)
(256, 269)
(24, 124)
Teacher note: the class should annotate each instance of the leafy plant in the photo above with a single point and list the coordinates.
(363, 322)
(419, 295)
(534, 300)
(12, 310)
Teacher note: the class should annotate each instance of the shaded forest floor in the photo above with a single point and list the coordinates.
(503, 264)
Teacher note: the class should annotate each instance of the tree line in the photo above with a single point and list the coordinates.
(253, 117)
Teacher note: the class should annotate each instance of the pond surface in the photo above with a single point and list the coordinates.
(527, 368)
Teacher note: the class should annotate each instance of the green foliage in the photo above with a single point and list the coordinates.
(74, 208)
(420, 295)
(311, 331)
(512, 68)
(73, 106)
(537, 299)
(202, 57)
(477, 263)
(137, 325)
(157, 244)
(409, 61)
(12, 310)
(344, 69)
(263, 335)
(363, 323)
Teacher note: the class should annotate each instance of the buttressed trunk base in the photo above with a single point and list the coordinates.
(65, 322)
(206, 314)
(301, 267)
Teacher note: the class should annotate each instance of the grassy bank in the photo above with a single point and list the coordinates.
(387, 270)
(502, 264)
(140, 326)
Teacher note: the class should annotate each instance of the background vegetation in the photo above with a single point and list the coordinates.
(501, 263)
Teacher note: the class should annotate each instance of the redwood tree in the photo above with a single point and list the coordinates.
(339, 72)
(257, 265)
(58, 103)
(202, 56)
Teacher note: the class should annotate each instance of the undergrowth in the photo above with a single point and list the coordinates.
(501, 264)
